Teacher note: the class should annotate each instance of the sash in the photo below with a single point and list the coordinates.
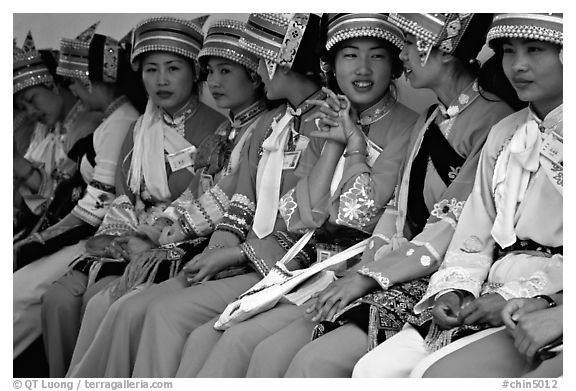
(435, 148)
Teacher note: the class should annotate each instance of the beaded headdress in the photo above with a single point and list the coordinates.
(222, 40)
(29, 67)
(345, 26)
(167, 34)
(275, 38)
(541, 27)
(447, 32)
(73, 60)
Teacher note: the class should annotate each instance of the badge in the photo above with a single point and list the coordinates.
(206, 182)
(552, 148)
(291, 160)
(373, 151)
(182, 159)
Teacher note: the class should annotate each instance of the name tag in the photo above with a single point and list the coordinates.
(206, 182)
(373, 151)
(291, 160)
(552, 147)
(182, 159)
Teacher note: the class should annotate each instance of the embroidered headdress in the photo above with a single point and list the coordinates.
(168, 34)
(222, 40)
(275, 37)
(459, 34)
(106, 58)
(30, 69)
(541, 27)
(73, 60)
(345, 26)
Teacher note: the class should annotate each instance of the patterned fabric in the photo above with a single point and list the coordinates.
(380, 314)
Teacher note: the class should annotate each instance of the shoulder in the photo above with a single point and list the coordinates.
(504, 129)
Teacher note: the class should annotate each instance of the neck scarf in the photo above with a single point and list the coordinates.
(152, 135)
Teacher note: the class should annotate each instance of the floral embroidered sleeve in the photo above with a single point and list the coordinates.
(366, 188)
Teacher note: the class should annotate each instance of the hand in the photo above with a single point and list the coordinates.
(446, 309)
(339, 294)
(130, 246)
(333, 118)
(536, 329)
(485, 309)
(515, 308)
(205, 266)
(172, 234)
(98, 245)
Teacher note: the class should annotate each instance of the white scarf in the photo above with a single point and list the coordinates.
(151, 137)
(512, 173)
(269, 176)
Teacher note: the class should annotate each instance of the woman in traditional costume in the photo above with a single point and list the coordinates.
(509, 240)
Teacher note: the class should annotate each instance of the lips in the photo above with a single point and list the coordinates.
(362, 84)
(217, 95)
(164, 94)
(520, 82)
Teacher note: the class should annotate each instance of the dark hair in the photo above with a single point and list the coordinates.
(128, 82)
(307, 61)
(491, 78)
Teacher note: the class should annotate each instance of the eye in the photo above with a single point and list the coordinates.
(534, 49)
(224, 71)
(149, 69)
(173, 68)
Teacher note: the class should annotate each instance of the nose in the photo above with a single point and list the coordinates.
(213, 79)
(403, 54)
(519, 62)
(364, 67)
(31, 110)
(162, 77)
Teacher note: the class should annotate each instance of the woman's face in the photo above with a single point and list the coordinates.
(363, 68)
(41, 104)
(420, 76)
(535, 71)
(168, 79)
(230, 84)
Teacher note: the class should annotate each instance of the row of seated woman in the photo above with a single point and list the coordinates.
(321, 228)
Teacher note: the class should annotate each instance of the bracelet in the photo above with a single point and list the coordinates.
(551, 302)
(354, 152)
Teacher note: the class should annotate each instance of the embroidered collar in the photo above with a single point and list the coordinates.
(305, 106)
(467, 96)
(248, 114)
(552, 122)
(116, 103)
(377, 111)
(179, 118)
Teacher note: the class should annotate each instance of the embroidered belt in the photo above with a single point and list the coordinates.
(526, 245)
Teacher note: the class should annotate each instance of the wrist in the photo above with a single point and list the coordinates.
(550, 302)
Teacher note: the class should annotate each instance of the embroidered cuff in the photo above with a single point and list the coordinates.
(256, 262)
(382, 280)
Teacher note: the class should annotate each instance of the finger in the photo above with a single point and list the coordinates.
(473, 317)
(329, 93)
(327, 308)
(468, 309)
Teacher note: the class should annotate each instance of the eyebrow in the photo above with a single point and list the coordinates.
(169, 62)
(357, 48)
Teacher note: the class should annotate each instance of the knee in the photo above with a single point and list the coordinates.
(62, 295)
(304, 363)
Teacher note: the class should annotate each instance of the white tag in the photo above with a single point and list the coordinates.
(373, 151)
(291, 160)
(552, 148)
(206, 182)
(182, 159)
